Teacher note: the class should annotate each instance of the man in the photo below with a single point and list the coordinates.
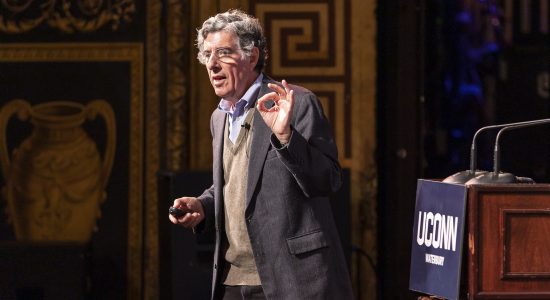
(275, 164)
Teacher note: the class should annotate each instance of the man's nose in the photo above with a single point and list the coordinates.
(212, 62)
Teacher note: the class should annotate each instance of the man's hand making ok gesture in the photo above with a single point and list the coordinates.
(278, 115)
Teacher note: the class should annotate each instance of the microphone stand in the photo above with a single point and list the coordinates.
(464, 176)
(500, 177)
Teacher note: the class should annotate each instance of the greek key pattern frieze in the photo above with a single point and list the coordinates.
(307, 42)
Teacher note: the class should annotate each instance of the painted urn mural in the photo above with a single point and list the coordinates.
(56, 178)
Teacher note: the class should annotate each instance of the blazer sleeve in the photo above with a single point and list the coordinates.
(311, 154)
(207, 200)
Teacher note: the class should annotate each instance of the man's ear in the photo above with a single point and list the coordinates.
(254, 57)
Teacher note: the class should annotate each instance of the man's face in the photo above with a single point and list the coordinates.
(231, 72)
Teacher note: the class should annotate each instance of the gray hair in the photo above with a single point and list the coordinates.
(246, 27)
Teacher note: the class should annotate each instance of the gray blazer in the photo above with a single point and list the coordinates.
(288, 215)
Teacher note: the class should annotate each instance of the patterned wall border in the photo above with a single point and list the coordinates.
(152, 165)
(310, 47)
(123, 52)
(177, 130)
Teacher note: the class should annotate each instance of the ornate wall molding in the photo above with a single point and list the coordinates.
(177, 129)
(64, 15)
(152, 132)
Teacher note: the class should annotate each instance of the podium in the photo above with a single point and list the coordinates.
(508, 240)
(503, 231)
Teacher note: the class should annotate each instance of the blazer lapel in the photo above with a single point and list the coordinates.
(261, 135)
(218, 124)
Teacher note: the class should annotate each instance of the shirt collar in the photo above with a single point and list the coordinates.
(249, 97)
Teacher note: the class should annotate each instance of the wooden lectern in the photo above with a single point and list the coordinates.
(508, 241)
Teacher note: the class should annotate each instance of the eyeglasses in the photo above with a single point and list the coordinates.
(225, 55)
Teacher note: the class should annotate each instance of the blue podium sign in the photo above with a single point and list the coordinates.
(438, 234)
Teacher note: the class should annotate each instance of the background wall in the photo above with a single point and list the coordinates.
(404, 84)
(140, 58)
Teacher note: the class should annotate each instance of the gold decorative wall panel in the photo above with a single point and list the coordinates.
(55, 179)
(79, 70)
(142, 24)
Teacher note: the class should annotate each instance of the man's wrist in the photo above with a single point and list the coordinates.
(284, 138)
(280, 143)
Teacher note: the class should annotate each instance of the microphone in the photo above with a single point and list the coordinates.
(245, 125)
(464, 176)
(501, 177)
